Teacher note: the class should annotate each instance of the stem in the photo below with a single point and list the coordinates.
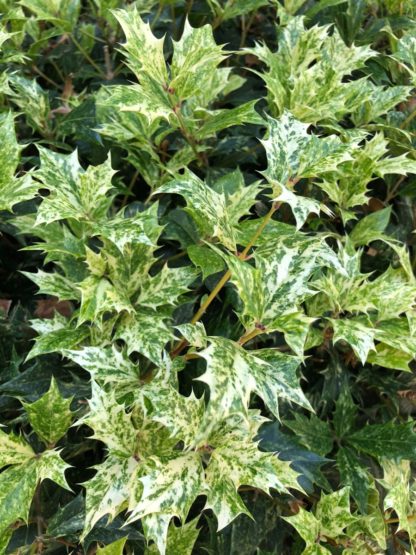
(409, 118)
(188, 136)
(182, 344)
(130, 188)
(249, 335)
(88, 57)
(245, 28)
(393, 192)
(48, 79)
(157, 15)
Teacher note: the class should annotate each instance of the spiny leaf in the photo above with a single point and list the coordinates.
(110, 422)
(107, 493)
(232, 374)
(396, 441)
(12, 189)
(106, 365)
(50, 416)
(13, 449)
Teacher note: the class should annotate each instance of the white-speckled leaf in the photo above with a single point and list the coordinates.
(107, 493)
(50, 416)
(110, 422)
(359, 336)
(106, 365)
(13, 449)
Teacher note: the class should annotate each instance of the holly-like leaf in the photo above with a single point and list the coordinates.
(74, 192)
(396, 441)
(13, 449)
(166, 286)
(50, 416)
(310, 73)
(181, 415)
(232, 374)
(12, 189)
(107, 493)
(207, 207)
(55, 335)
(164, 490)
(106, 365)
(231, 466)
(354, 475)
(332, 516)
(110, 422)
(292, 154)
(371, 227)
(114, 548)
(356, 334)
(54, 284)
(396, 483)
(145, 332)
(181, 539)
(312, 432)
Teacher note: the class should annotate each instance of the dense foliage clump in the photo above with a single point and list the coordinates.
(208, 318)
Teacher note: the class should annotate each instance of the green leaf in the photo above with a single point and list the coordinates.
(181, 415)
(195, 58)
(110, 422)
(310, 73)
(166, 287)
(207, 207)
(354, 476)
(50, 416)
(307, 526)
(396, 441)
(312, 432)
(371, 227)
(54, 284)
(206, 259)
(396, 483)
(292, 153)
(333, 513)
(17, 487)
(115, 548)
(55, 335)
(331, 517)
(98, 297)
(181, 539)
(222, 119)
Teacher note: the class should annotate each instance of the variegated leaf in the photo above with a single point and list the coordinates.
(236, 461)
(232, 374)
(110, 422)
(107, 493)
(14, 449)
(12, 188)
(145, 332)
(50, 416)
(106, 365)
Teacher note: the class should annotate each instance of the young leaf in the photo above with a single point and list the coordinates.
(50, 416)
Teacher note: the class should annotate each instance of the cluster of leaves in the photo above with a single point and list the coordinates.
(208, 299)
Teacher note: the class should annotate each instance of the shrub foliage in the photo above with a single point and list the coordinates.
(208, 295)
